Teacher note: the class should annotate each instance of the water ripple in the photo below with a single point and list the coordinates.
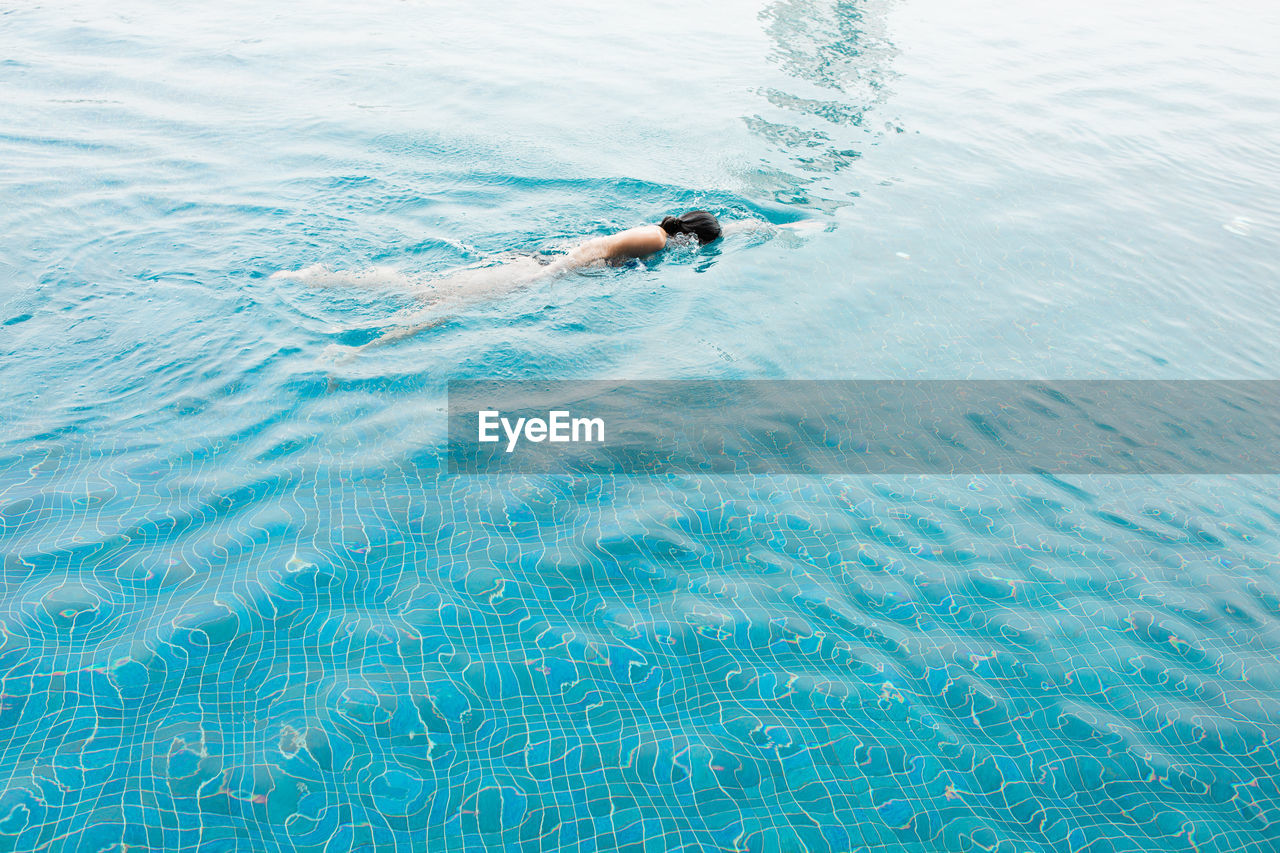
(243, 606)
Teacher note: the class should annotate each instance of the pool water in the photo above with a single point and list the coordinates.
(245, 607)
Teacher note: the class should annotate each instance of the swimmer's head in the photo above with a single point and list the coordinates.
(699, 223)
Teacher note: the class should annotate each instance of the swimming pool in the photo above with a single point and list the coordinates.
(246, 608)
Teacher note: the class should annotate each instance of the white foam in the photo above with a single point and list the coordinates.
(1241, 225)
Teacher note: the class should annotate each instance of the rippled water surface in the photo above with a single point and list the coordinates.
(244, 607)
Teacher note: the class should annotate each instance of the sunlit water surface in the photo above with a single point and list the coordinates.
(244, 608)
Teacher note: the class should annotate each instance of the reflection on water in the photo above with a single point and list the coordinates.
(838, 57)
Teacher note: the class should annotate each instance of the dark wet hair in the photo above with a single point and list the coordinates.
(699, 223)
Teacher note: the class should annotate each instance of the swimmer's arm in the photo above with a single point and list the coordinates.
(743, 226)
(740, 226)
(803, 225)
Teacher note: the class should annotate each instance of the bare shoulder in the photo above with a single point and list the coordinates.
(632, 243)
(637, 242)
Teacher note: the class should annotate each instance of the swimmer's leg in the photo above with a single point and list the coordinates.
(405, 329)
(370, 278)
(401, 332)
(453, 292)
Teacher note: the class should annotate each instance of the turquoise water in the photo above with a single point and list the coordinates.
(245, 608)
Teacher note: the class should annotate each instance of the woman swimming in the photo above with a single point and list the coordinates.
(640, 242)
(492, 280)
(517, 269)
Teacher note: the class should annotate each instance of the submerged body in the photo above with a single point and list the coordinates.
(479, 283)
